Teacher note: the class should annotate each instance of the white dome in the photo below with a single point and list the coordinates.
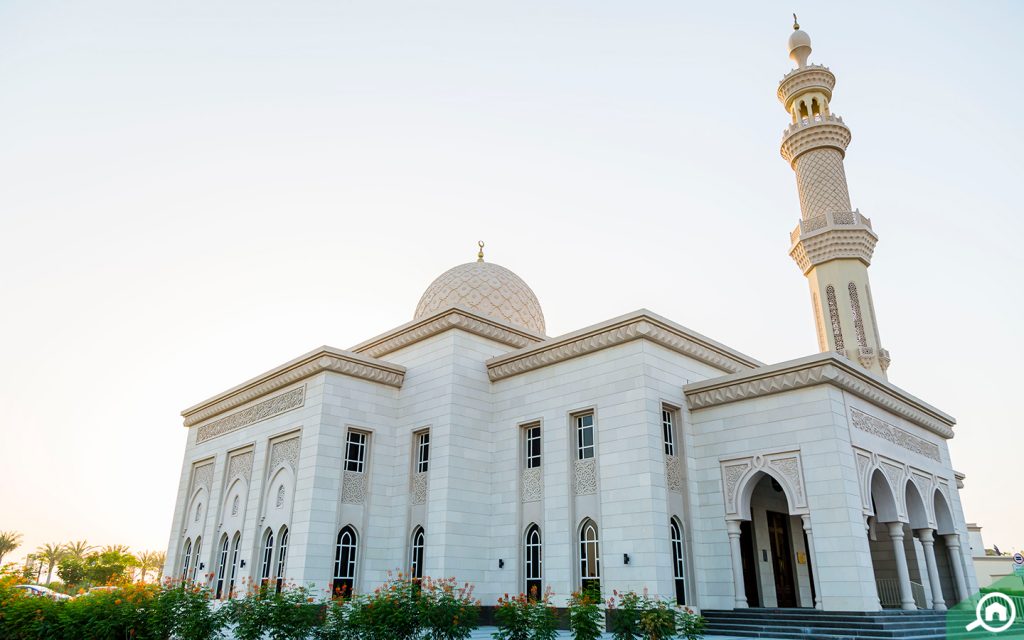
(487, 289)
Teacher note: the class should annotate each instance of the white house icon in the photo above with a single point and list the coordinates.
(996, 611)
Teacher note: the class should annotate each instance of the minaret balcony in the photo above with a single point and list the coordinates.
(807, 134)
(833, 235)
(813, 77)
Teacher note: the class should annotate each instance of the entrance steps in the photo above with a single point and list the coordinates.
(805, 624)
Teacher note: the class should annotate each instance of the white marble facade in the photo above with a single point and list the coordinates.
(634, 452)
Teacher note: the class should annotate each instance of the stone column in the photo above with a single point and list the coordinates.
(927, 538)
(733, 527)
(957, 562)
(906, 594)
(814, 561)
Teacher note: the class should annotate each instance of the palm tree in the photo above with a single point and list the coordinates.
(159, 559)
(149, 561)
(50, 555)
(122, 549)
(78, 549)
(9, 541)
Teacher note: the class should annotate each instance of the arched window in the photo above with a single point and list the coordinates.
(345, 563)
(678, 565)
(590, 557)
(222, 566)
(195, 558)
(534, 581)
(268, 556)
(282, 552)
(237, 542)
(416, 554)
(186, 558)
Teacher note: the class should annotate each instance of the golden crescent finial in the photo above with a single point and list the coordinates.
(796, 25)
(480, 254)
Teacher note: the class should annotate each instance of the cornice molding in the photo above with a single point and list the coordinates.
(638, 325)
(810, 78)
(833, 243)
(322, 359)
(452, 318)
(822, 368)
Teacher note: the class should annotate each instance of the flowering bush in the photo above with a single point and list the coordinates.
(524, 618)
(585, 616)
(291, 614)
(640, 617)
(448, 611)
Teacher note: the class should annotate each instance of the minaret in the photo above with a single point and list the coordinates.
(833, 243)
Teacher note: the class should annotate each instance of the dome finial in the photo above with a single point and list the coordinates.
(796, 25)
(480, 254)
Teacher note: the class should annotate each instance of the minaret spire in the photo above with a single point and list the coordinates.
(833, 243)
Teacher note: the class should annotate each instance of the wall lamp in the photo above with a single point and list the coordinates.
(241, 564)
(202, 565)
(501, 563)
(625, 558)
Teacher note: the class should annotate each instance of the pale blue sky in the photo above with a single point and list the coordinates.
(194, 192)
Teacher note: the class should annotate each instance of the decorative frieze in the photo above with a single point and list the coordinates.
(532, 483)
(284, 451)
(418, 492)
(897, 436)
(269, 408)
(585, 477)
(353, 487)
(455, 318)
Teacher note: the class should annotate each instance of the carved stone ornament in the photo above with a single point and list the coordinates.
(784, 466)
(202, 476)
(833, 314)
(260, 411)
(585, 477)
(234, 506)
(896, 477)
(457, 318)
(532, 483)
(418, 494)
(279, 502)
(240, 466)
(353, 487)
(284, 451)
(895, 435)
(674, 473)
(864, 476)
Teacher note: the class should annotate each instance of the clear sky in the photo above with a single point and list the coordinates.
(194, 192)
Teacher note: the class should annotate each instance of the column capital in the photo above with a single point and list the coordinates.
(952, 540)
(733, 527)
(806, 518)
(895, 529)
(926, 536)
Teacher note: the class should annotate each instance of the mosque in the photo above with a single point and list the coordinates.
(628, 454)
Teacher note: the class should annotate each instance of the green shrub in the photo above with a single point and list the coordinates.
(291, 614)
(585, 616)
(639, 617)
(448, 611)
(524, 618)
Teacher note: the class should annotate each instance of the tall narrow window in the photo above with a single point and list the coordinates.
(668, 431)
(355, 451)
(590, 557)
(531, 434)
(237, 542)
(678, 565)
(585, 436)
(268, 557)
(345, 563)
(422, 451)
(416, 554)
(186, 558)
(222, 566)
(534, 582)
(282, 554)
(195, 558)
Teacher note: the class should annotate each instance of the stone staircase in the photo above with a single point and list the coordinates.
(801, 624)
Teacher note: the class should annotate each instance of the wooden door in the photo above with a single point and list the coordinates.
(782, 559)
